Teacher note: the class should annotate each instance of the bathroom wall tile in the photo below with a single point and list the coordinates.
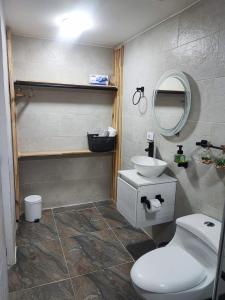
(221, 55)
(50, 170)
(58, 291)
(54, 59)
(212, 100)
(191, 133)
(217, 134)
(113, 283)
(54, 120)
(198, 58)
(200, 20)
(37, 264)
(167, 34)
(93, 251)
(55, 194)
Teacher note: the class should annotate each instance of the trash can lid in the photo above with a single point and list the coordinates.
(32, 199)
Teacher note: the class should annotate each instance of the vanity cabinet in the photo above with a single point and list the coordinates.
(137, 194)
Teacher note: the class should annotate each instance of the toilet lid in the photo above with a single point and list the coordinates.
(167, 270)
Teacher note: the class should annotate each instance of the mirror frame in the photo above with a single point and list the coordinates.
(187, 106)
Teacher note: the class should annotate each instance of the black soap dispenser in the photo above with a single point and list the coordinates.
(179, 157)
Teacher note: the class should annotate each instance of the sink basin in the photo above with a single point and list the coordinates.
(148, 166)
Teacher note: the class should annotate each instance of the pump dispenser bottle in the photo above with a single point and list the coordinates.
(179, 157)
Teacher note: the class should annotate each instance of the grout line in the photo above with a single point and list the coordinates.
(73, 210)
(148, 234)
(70, 205)
(109, 227)
(63, 253)
(123, 245)
(99, 270)
(37, 286)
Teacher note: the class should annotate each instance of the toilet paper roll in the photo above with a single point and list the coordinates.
(155, 205)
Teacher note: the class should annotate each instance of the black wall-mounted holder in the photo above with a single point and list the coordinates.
(140, 92)
(206, 144)
(147, 203)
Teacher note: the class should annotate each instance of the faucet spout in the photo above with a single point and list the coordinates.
(150, 149)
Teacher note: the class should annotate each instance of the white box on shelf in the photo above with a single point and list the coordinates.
(99, 79)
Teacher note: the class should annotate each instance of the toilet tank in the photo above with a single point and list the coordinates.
(205, 228)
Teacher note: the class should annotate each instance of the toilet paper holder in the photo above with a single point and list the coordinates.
(146, 201)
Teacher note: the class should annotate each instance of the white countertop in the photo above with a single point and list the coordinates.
(137, 180)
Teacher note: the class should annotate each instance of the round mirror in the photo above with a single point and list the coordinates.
(171, 102)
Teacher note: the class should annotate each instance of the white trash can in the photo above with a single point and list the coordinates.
(33, 208)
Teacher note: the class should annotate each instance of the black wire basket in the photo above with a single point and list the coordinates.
(101, 143)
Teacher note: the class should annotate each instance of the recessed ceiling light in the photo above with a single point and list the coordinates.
(73, 25)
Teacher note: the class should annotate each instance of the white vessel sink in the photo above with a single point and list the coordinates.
(148, 166)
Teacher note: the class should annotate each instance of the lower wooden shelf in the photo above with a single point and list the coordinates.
(58, 153)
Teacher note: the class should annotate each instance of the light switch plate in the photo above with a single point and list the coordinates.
(150, 136)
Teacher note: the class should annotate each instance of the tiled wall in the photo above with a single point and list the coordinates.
(192, 42)
(54, 119)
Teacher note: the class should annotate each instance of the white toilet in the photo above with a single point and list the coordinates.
(184, 269)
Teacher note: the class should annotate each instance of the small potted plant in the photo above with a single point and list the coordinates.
(220, 163)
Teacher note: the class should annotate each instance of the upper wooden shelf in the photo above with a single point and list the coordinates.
(58, 153)
(66, 86)
(170, 92)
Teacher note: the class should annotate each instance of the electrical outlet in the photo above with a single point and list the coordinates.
(150, 136)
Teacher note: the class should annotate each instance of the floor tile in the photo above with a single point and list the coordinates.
(93, 251)
(111, 284)
(79, 222)
(130, 235)
(43, 230)
(37, 263)
(90, 213)
(55, 291)
(112, 216)
(72, 207)
(140, 248)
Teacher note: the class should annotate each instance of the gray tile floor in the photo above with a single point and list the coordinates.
(76, 252)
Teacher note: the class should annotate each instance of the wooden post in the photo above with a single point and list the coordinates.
(117, 116)
(13, 122)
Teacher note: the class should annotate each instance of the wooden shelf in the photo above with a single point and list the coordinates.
(58, 153)
(65, 86)
(170, 92)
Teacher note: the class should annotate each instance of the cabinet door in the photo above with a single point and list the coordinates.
(146, 217)
(126, 201)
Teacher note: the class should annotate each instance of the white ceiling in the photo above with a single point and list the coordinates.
(115, 20)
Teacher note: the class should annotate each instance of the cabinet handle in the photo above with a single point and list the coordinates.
(159, 197)
(145, 201)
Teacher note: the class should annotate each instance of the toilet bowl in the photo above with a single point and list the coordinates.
(185, 268)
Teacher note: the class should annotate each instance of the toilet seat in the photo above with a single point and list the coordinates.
(167, 270)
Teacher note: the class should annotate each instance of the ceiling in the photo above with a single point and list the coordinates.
(115, 21)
